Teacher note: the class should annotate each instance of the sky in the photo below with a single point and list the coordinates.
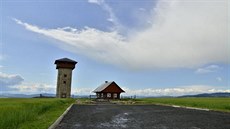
(148, 47)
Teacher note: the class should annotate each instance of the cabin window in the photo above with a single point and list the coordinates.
(98, 95)
(115, 95)
(108, 95)
(65, 75)
(101, 95)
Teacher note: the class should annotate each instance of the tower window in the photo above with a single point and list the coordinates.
(64, 82)
(65, 75)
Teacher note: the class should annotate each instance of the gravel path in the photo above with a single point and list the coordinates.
(142, 117)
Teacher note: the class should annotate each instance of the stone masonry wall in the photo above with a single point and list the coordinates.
(64, 83)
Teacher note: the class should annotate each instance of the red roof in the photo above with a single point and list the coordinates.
(108, 87)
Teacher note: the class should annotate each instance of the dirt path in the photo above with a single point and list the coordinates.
(142, 117)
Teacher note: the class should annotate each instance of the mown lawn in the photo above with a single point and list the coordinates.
(31, 113)
(218, 104)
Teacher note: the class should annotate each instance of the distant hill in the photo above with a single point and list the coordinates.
(209, 95)
(4, 95)
(43, 95)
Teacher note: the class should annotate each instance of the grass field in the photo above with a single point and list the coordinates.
(32, 113)
(213, 103)
(36, 113)
(218, 104)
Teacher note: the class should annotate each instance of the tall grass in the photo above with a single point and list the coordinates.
(30, 113)
(219, 104)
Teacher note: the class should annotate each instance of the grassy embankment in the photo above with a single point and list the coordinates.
(218, 104)
(32, 113)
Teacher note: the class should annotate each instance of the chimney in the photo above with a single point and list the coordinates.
(106, 81)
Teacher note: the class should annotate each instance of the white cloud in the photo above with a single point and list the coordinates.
(9, 80)
(96, 1)
(219, 79)
(185, 34)
(12, 83)
(182, 90)
(33, 88)
(208, 69)
(112, 17)
(82, 91)
(1, 57)
(178, 91)
(142, 9)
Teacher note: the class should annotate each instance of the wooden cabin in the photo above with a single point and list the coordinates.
(108, 90)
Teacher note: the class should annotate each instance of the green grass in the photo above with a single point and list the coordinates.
(39, 113)
(218, 104)
(32, 113)
(213, 103)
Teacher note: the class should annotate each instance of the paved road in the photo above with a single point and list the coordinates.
(142, 117)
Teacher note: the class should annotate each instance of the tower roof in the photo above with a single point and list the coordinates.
(65, 63)
(65, 60)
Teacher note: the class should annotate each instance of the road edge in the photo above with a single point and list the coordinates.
(56, 123)
(185, 107)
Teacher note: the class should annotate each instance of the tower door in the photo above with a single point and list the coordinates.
(63, 95)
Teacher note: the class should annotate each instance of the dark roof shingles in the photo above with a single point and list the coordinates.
(102, 87)
(65, 60)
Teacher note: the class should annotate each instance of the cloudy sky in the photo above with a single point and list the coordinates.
(148, 47)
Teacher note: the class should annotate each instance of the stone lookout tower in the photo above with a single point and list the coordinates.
(65, 67)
